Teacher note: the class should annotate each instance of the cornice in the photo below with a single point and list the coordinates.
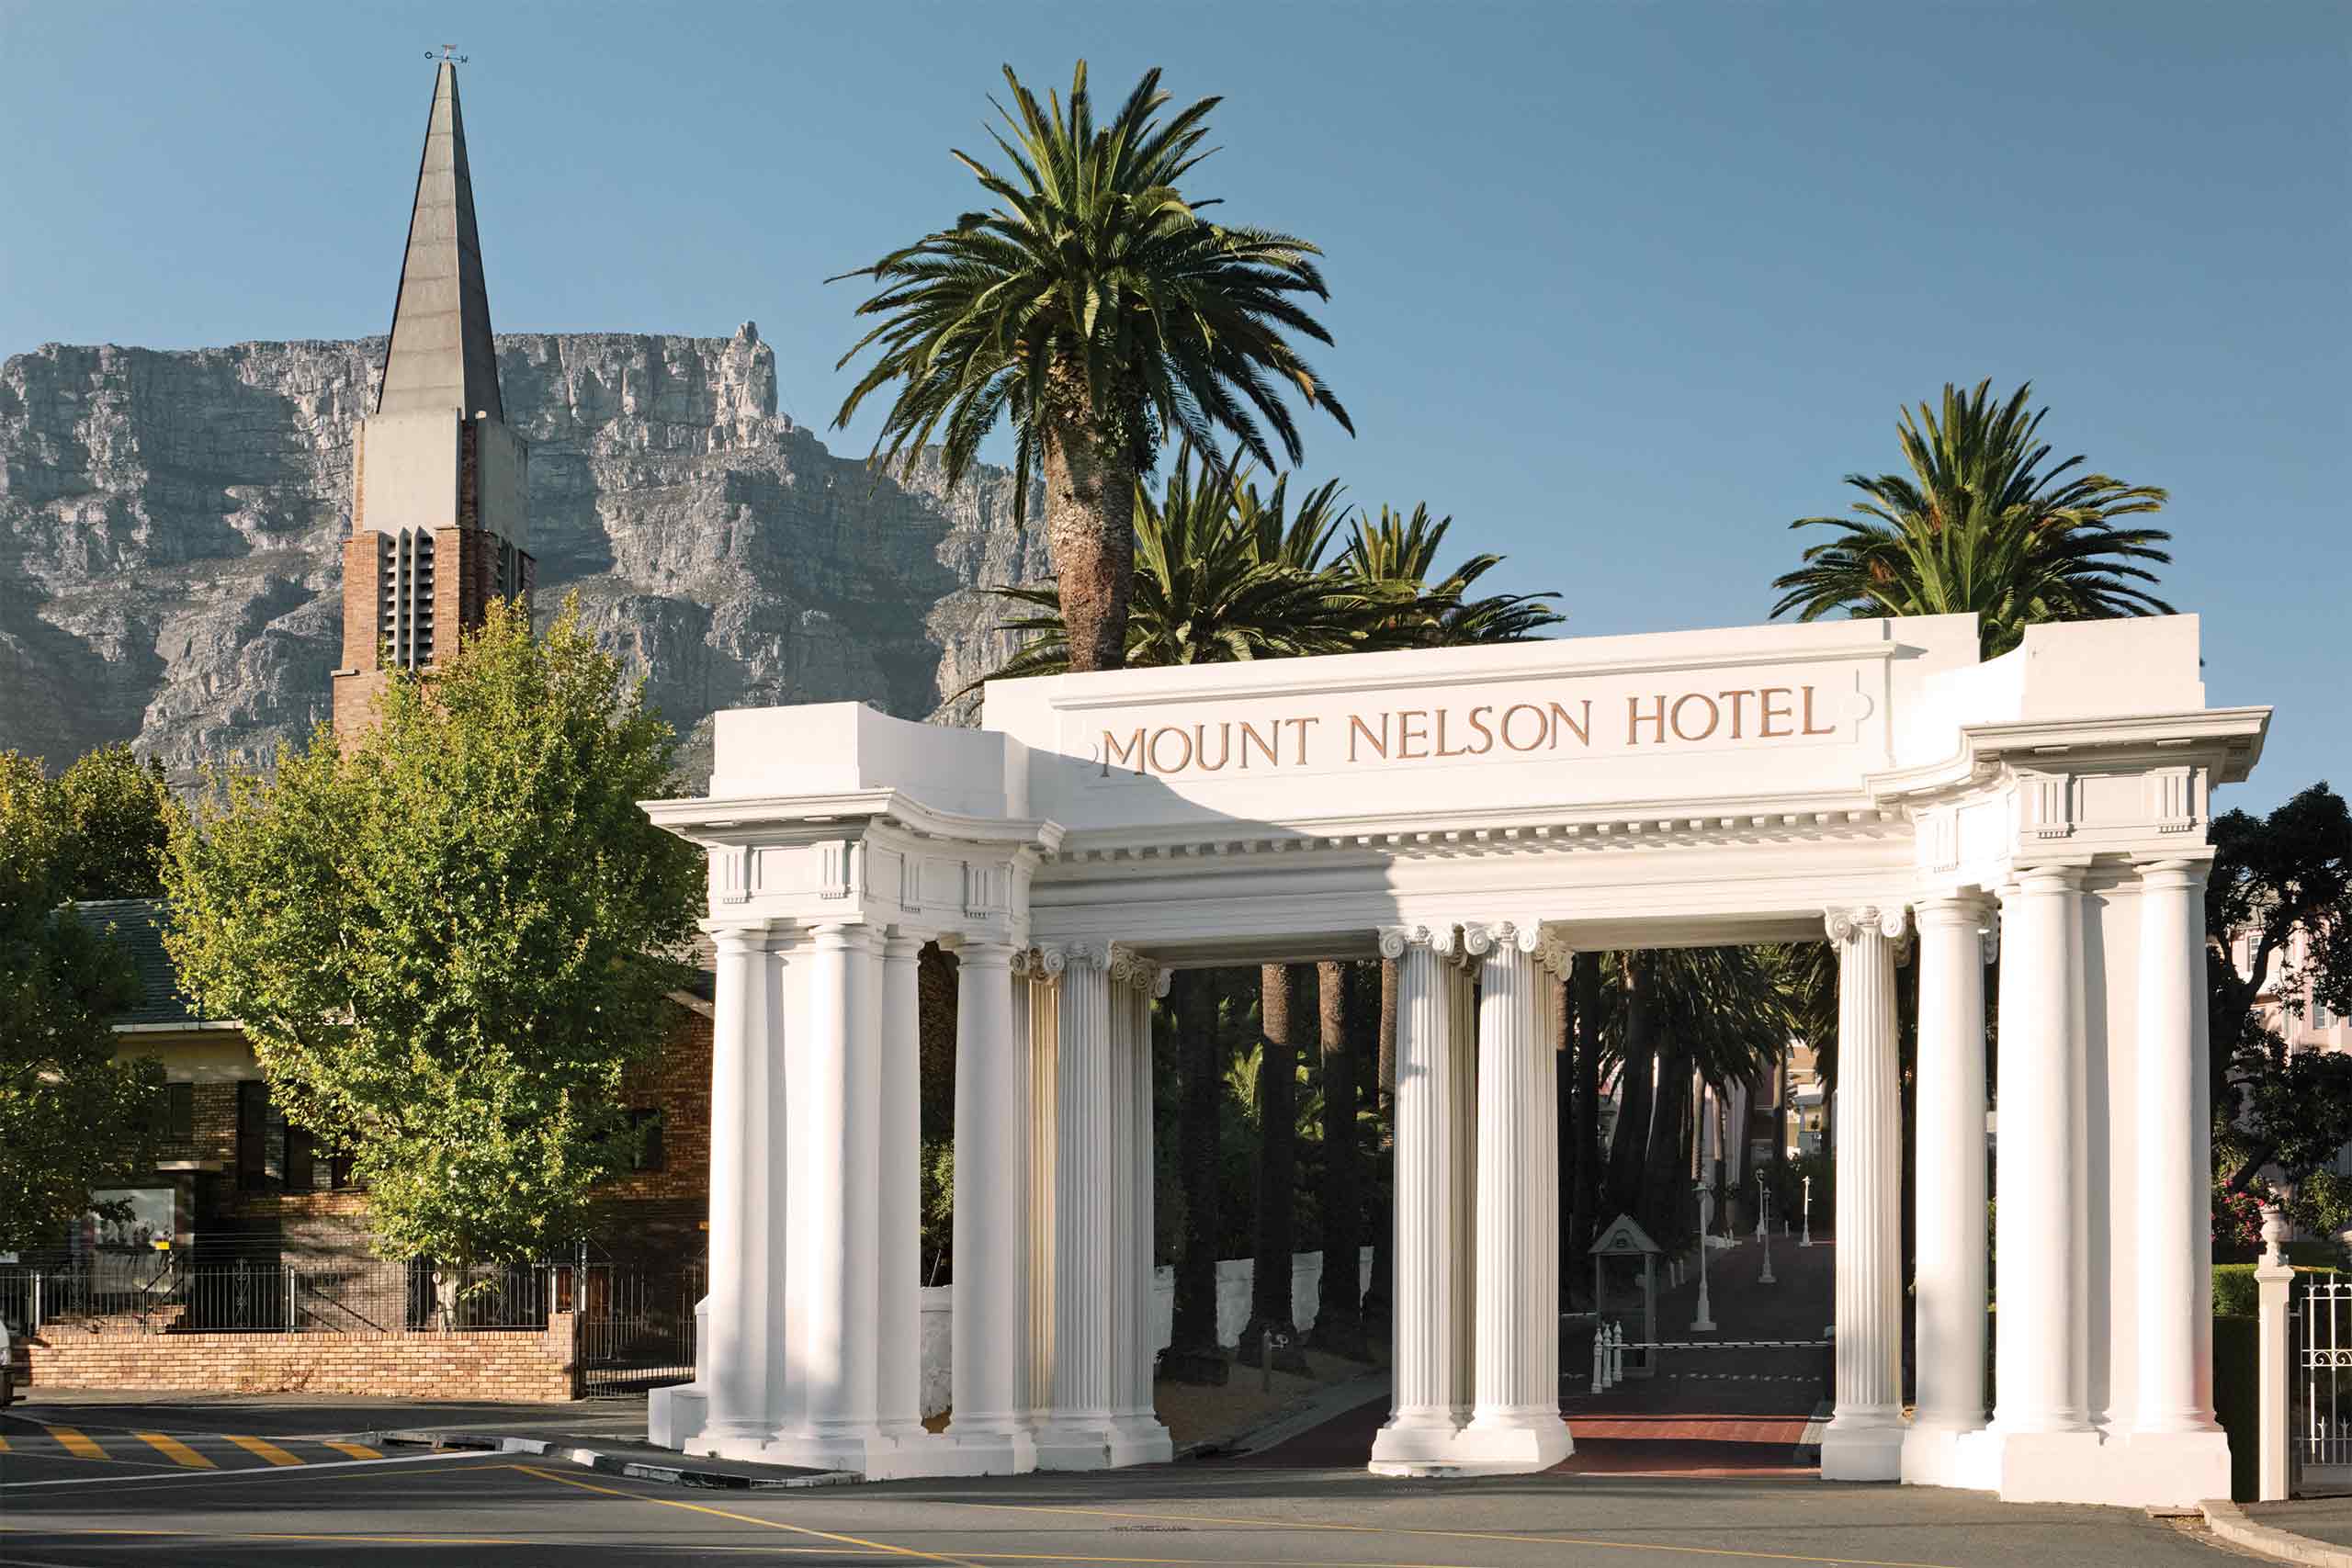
(742, 818)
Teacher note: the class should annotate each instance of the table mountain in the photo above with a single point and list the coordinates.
(170, 523)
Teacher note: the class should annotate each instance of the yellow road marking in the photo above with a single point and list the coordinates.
(267, 1450)
(174, 1449)
(1456, 1535)
(357, 1451)
(77, 1444)
(748, 1519)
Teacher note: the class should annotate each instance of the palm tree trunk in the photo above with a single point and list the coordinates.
(1090, 524)
(1377, 1297)
(1194, 1354)
(1584, 1134)
(1338, 1312)
(1630, 1143)
(1270, 1297)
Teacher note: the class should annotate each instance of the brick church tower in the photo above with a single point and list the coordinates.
(439, 487)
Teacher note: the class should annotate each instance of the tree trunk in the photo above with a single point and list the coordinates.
(1194, 1354)
(1585, 1196)
(1090, 523)
(1630, 1143)
(1377, 1297)
(1269, 1298)
(1339, 1311)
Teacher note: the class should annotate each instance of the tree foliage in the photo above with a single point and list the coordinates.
(1979, 524)
(448, 938)
(1098, 309)
(2285, 882)
(72, 1116)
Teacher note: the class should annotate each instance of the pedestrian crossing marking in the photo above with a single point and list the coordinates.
(263, 1446)
(77, 1444)
(174, 1449)
(357, 1451)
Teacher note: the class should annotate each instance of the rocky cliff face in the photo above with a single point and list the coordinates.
(170, 523)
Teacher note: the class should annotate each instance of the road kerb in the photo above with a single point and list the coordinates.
(684, 1473)
(2227, 1520)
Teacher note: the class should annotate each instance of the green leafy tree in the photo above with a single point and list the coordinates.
(448, 938)
(72, 1116)
(1979, 524)
(118, 812)
(2284, 883)
(1097, 308)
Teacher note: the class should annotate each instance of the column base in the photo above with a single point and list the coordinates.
(1415, 1445)
(1931, 1454)
(676, 1414)
(994, 1448)
(868, 1453)
(1513, 1443)
(1140, 1439)
(1081, 1443)
(1865, 1449)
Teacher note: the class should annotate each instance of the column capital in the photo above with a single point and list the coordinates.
(1844, 925)
(1481, 937)
(1439, 940)
(2175, 872)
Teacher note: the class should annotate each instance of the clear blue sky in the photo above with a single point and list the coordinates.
(1622, 287)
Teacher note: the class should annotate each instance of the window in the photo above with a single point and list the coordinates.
(645, 1132)
(178, 1124)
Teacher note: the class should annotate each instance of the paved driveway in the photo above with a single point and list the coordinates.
(354, 1513)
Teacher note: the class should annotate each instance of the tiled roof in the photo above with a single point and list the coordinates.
(136, 925)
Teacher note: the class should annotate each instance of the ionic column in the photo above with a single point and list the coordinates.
(1864, 1439)
(899, 1369)
(2175, 1249)
(831, 1233)
(1419, 1436)
(2037, 1377)
(1515, 1422)
(990, 1359)
(741, 1142)
(1949, 1293)
(1076, 1435)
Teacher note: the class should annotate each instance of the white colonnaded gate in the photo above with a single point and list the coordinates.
(1477, 815)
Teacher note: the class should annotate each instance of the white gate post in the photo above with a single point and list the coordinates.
(2272, 1281)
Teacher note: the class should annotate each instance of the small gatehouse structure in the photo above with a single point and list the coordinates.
(1475, 815)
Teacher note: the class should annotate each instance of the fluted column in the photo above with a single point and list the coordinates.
(2176, 1251)
(1137, 1437)
(1419, 1436)
(1949, 1293)
(899, 1265)
(1515, 1422)
(1076, 1431)
(741, 1142)
(831, 1233)
(987, 1362)
(2039, 1378)
(1864, 1439)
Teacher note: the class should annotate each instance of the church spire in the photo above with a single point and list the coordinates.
(442, 356)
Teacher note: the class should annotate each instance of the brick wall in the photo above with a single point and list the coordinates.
(473, 1364)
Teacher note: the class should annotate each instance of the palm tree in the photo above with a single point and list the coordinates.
(1979, 526)
(1097, 308)
(1438, 611)
(1222, 574)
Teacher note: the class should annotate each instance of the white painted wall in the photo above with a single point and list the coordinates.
(1235, 1277)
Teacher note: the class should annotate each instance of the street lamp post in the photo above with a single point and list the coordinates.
(1705, 1322)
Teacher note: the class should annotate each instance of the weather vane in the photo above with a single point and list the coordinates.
(449, 52)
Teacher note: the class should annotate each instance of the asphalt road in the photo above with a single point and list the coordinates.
(59, 1507)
